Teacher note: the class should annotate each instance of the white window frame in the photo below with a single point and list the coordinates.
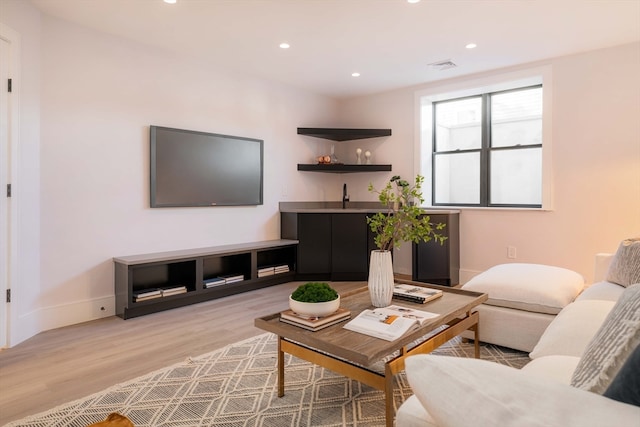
(424, 100)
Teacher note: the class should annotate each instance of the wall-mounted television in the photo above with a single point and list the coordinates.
(190, 168)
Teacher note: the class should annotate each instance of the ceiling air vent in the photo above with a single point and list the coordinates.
(443, 65)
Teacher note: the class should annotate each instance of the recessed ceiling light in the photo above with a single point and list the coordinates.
(355, 74)
(285, 45)
(413, 1)
(170, 1)
(471, 45)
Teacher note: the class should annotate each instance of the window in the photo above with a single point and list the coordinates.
(487, 142)
(484, 149)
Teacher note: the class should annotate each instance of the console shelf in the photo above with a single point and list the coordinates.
(343, 168)
(342, 134)
(200, 274)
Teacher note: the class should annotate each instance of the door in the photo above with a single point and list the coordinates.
(9, 60)
(4, 180)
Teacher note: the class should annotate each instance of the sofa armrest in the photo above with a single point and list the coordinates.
(601, 266)
(461, 392)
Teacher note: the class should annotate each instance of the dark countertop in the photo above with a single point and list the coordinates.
(351, 207)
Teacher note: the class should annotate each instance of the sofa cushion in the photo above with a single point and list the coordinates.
(556, 368)
(413, 414)
(625, 265)
(466, 392)
(618, 336)
(572, 329)
(532, 287)
(625, 387)
(602, 290)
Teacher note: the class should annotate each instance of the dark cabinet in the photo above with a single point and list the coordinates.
(332, 246)
(314, 249)
(349, 242)
(436, 263)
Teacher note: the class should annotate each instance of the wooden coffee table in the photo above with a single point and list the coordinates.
(353, 354)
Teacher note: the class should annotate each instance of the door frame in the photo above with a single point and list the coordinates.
(9, 147)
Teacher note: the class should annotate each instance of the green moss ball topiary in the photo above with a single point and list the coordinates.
(314, 292)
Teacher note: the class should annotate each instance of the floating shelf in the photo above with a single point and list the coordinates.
(343, 168)
(342, 134)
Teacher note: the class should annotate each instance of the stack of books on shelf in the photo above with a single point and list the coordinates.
(266, 271)
(147, 294)
(281, 269)
(417, 294)
(216, 281)
(314, 323)
(233, 278)
(166, 292)
(270, 271)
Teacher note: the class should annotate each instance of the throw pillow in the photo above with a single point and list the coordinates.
(618, 336)
(462, 392)
(625, 387)
(625, 265)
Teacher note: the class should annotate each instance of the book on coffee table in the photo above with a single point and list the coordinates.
(417, 294)
(388, 323)
(314, 323)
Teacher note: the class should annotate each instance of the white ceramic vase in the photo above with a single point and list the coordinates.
(381, 278)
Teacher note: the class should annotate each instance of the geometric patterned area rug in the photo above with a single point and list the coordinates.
(235, 386)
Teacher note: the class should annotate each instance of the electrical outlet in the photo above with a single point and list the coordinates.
(511, 252)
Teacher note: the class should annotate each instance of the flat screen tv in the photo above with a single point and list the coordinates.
(190, 168)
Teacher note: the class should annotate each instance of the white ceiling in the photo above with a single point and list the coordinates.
(390, 42)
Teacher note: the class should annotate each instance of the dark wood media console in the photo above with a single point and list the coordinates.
(201, 272)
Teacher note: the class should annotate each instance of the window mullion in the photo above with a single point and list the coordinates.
(484, 154)
(433, 156)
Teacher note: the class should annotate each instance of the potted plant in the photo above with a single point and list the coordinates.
(314, 299)
(402, 221)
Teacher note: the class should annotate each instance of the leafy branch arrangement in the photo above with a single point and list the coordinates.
(404, 220)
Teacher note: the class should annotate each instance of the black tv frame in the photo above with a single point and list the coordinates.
(214, 139)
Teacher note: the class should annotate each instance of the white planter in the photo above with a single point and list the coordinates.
(314, 309)
(381, 278)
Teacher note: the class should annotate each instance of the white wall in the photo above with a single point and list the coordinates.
(98, 96)
(596, 165)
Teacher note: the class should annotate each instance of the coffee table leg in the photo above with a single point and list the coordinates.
(388, 396)
(476, 337)
(280, 368)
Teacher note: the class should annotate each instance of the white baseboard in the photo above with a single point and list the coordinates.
(47, 318)
(77, 312)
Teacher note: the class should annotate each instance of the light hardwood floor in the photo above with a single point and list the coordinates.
(65, 364)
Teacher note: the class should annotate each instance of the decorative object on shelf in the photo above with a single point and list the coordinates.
(334, 158)
(403, 221)
(324, 160)
(314, 299)
(367, 155)
(359, 156)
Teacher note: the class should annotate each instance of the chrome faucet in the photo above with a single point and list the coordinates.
(345, 197)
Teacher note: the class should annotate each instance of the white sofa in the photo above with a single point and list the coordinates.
(451, 391)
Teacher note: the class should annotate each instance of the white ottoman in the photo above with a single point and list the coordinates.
(523, 300)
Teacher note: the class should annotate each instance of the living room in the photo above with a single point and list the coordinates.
(80, 163)
(88, 99)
